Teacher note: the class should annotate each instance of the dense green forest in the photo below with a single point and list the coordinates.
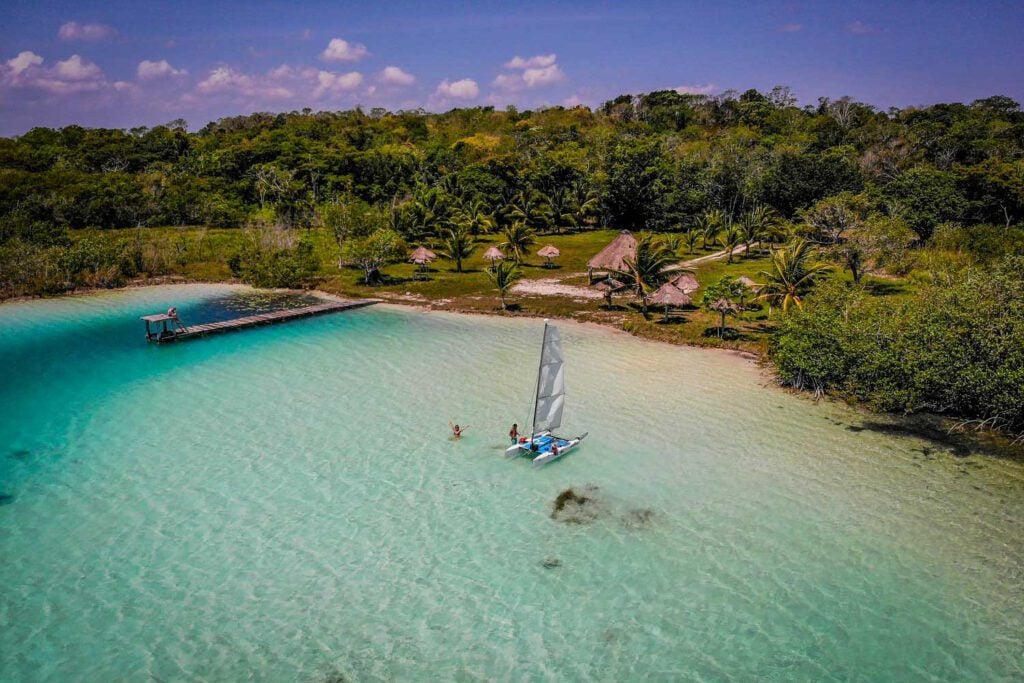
(932, 196)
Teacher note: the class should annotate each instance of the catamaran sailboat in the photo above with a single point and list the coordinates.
(543, 446)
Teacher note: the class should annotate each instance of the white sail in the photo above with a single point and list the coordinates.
(550, 402)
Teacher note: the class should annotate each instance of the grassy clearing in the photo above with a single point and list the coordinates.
(202, 254)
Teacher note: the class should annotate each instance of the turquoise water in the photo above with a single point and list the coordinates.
(284, 504)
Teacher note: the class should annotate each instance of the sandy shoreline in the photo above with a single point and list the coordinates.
(419, 303)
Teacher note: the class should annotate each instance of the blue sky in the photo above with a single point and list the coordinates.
(124, 64)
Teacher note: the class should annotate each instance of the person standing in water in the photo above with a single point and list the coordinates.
(514, 432)
(457, 430)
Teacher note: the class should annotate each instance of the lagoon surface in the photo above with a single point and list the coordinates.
(285, 504)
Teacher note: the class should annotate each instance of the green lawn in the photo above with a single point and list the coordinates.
(472, 291)
(202, 254)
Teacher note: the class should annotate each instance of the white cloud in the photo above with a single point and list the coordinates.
(395, 76)
(859, 28)
(282, 72)
(73, 75)
(23, 61)
(508, 81)
(543, 76)
(328, 82)
(227, 81)
(148, 70)
(62, 87)
(704, 89)
(300, 85)
(72, 30)
(536, 72)
(74, 68)
(536, 61)
(465, 89)
(223, 78)
(339, 50)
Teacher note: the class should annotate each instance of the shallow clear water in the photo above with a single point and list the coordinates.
(284, 504)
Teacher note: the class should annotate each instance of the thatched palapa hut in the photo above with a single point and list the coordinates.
(748, 283)
(494, 255)
(724, 307)
(686, 282)
(549, 252)
(613, 257)
(670, 296)
(422, 256)
(609, 286)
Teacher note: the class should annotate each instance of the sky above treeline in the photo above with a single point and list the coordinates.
(125, 64)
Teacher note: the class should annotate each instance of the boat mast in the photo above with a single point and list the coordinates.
(536, 393)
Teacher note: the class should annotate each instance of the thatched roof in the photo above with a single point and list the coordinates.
(549, 251)
(747, 282)
(422, 255)
(686, 282)
(613, 256)
(724, 305)
(670, 295)
(609, 285)
(494, 254)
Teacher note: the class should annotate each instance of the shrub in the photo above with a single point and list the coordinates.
(955, 347)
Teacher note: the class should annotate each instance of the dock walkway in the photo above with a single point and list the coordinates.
(182, 332)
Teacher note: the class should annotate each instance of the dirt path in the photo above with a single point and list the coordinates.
(692, 263)
(554, 286)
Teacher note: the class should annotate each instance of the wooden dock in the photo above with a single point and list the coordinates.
(180, 332)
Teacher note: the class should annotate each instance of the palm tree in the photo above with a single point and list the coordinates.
(457, 245)
(793, 274)
(756, 224)
(709, 225)
(518, 239)
(574, 204)
(731, 238)
(646, 271)
(690, 238)
(673, 242)
(502, 206)
(561, 209)
(427, 211)
(532, 208)
(420, 220)
(473, 216)
(503, 276)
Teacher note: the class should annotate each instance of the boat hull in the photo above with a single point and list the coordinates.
(523, 447)
(550, 456)
(544, 453)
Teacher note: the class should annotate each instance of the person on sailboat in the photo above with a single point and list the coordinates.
(513, 433)
(457, 430)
